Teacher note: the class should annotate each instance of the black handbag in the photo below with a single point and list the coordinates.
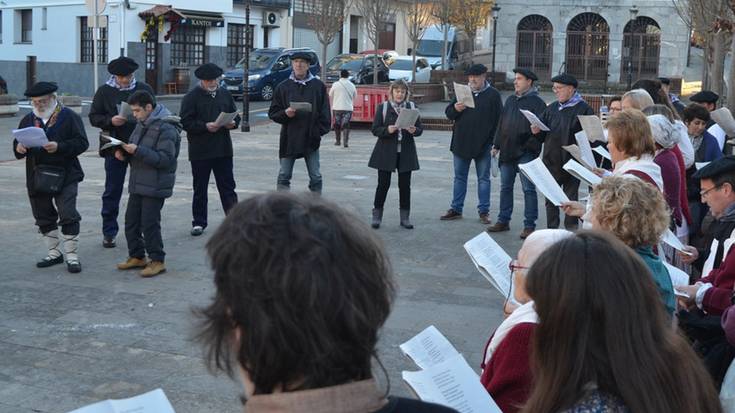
(48, 179)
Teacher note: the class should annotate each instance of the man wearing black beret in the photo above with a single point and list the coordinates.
(210, 145)
(472, 138)
(561, 118)
(105, 114)
(301, 105)
(515, 145)
(53, 173)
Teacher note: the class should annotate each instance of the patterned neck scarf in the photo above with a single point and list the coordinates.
(397, 106)
(484, 88)
(38, 122)
(571, 102)
(309, 77)
(113, 82)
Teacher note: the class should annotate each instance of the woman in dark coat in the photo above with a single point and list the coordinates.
(395, 149)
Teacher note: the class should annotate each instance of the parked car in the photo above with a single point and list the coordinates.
(388, 55)
(402, 66)
(268, 68)
(359, 66)
(431, 46)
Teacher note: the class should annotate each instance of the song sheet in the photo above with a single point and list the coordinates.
(585, 149)
(407, 118)
(464, 95)
(429, 348)
(302, 107)
(110, 142)
(491, 260)
(700, 165)
(537, 172)
(581, 173)
(31, 137)
(535, 121)
(592, 126)
(225, 118)
(671, 239)
(602, 152)
(152, 402)
(124, 110)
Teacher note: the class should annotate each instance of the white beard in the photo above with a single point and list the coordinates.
(48, 112)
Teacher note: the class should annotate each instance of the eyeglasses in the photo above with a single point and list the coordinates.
(703, 194)
(513, 266)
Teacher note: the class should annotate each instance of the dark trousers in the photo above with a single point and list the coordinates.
(571, 189)
(52, 211)
(114, 180)
(201, 170)
(404, 188)
(143, 227)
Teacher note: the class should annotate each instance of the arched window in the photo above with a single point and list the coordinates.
(534, 47)
(587, 47)
(641, 49)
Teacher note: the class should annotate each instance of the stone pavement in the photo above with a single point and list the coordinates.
(69, 340)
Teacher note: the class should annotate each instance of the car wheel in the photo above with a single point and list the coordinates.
(266, 93)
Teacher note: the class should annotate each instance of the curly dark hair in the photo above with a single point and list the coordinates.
(302, 289)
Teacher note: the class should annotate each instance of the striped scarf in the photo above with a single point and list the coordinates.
(113, 83)
(571, 102)
(309, 77)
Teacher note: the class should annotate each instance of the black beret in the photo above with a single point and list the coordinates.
(716, 168)
(41, 89)
(565, 79)
(664, 80)
(705, 96)
(526, 72)
(476, 70)
(208, 71)
(122, 66)
(301, 55)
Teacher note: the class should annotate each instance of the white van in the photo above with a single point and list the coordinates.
(431, 45)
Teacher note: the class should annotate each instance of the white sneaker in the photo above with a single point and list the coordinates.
(197, 230)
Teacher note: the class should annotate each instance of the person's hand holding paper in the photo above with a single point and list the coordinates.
(407, 119)
(464, 95)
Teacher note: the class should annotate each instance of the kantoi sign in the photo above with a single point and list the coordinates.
(203, 22)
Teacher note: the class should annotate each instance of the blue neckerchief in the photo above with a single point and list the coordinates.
(674, 98)
(113, 82)
(302, 82)
(484, 88)
(571, 102)
(530, 90)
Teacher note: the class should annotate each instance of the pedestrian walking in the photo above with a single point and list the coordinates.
(343, 94)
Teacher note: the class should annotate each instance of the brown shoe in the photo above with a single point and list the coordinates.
(526, 232)
(152, 269)
(485, 218)
(131, 263)
(498, 227)
(450, 215)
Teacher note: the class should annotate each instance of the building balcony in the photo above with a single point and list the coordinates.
(274, 4)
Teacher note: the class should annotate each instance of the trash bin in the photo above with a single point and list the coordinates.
(366, 100)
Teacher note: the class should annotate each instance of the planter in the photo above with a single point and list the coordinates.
(72, 102)
(8, 105)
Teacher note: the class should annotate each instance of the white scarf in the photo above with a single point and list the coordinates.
(523, 314)
(643, 164)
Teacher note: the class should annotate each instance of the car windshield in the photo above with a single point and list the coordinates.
(345, 62)
(258, 61)
(432, 48)
(402, 64)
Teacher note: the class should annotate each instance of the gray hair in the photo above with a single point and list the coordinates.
(539, 241)
(640, 99)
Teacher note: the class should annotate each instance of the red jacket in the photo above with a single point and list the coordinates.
(507, 377)
(717, 298)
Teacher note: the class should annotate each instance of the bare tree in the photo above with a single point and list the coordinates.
(376, 14)
(470, 15)
(442, 12)
(326, 18)
(416, 16)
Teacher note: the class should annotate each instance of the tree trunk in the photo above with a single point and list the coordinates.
(375, 66)
(731, 78)
(718, 63)
(706, 61)
(324, 62)
(446, 46)
(413, 66)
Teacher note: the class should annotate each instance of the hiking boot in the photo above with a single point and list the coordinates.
(152, 269)
(485, 218)
(131, 263)
(526, 232)
(405, 223)
(48, 261)
(377, 217)
(498, 227)
(450, 215)
(74, 266)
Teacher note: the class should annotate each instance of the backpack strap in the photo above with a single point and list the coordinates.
(385, 110)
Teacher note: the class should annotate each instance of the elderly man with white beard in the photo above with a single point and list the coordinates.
(53, 173)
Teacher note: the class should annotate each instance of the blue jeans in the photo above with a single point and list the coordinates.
(508, 171)
(461, 171)
(114, 181)
(312, 166)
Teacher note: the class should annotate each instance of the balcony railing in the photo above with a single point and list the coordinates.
(277, 4)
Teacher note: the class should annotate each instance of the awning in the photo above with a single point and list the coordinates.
(184, 17)
(159, 10)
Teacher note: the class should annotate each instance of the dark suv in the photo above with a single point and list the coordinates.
(359, 66)
(268, 68)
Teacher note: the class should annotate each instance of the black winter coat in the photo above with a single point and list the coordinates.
(68, 132)
(563, 124)
(105, 106)
(514, 138)
(301, 134)
(385, 152)
(197, 109)
(474, 128)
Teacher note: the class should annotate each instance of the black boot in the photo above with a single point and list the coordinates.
(377, 217)
(405, 223)
(347, 138)
(337, 136)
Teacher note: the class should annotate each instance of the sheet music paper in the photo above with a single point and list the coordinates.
(464, 95)
(152, 402)
(454, 384)
(700, 165)
(225, 118)
(491, 260)
(31, 137)
(584, 148)
(407, 118)
(671, 239)
(303, 107)
(124, 110)
(534, 120)
(110, 142)
(724, 118)
(581, 173)
(592, 126)
(602, 152)
(577, 155)
(537, 172)
(429, 348)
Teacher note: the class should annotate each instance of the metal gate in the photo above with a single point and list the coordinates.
(534, 47)
(588, 47)
(641, 49)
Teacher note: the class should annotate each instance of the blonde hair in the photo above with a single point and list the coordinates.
(639, 98)
(632, 133)
(633, 210)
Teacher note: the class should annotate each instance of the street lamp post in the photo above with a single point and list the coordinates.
(245, 122)
(633, 16)
(495, 10)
